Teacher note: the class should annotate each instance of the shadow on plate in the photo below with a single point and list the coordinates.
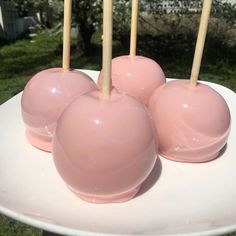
(222, 151)
(152, 178)
(45, 233)
(220, 154)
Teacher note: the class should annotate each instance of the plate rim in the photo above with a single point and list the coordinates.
(40, 224)
(76, 232)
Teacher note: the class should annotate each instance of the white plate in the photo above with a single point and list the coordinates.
(178, 199)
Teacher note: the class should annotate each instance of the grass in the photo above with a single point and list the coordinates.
(175, 54)
(22, 59)
(9, 227)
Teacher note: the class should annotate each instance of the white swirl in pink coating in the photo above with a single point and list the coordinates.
(45, 97)
(192, 123)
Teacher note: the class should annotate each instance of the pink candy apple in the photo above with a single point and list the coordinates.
(138, 76)
(104, 149)
(44, 99)
(192, 123)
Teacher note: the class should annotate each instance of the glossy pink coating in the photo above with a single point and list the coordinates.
(104, 149)
(45, 97)
(192, 123)
(136, 75)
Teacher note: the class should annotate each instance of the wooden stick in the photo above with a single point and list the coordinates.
(107, 48)
(134, 28)
(66, 34)
(200, 41)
